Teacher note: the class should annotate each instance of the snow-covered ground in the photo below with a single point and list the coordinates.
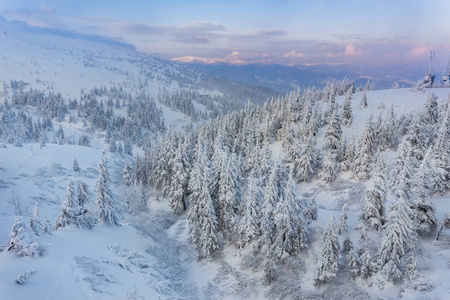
(149, 255)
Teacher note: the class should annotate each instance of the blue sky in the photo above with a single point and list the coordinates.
(282, 32)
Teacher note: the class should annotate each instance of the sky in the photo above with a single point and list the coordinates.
(288, 32)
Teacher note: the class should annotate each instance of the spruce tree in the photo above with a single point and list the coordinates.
(398, 242)
(328, 262)
(305, 167)
(366, 150)
(342, 226)
(179, 183)
(75, 166)
(249, 228)
(363, 103)
(229, 197)
(330, 167)
(109, 211)
(346, 113)
(290, 234)
(203, 225)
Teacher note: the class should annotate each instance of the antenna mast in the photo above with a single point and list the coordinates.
(432, 53)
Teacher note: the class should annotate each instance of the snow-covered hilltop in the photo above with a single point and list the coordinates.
(320, 194)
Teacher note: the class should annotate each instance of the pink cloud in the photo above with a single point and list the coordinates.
(294, 54)
(422, 50)
(351, 50)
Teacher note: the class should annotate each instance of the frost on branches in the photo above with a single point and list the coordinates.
(327, 265)
(108, 210)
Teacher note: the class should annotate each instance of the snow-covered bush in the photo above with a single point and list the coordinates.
(25, 241)
(24, 277)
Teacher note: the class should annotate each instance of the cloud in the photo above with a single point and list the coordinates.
(294, 54)
(275, 32)
(351, 50)
(194, 59)
(45, 8)
(200, 39)
(421, 51)
(210, 42)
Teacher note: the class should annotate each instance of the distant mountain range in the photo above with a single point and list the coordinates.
(285, 78)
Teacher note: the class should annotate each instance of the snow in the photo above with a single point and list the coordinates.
(150, 251)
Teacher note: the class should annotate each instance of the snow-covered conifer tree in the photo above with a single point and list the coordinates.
(83, 194)
(209, 240)
(366, 150)
(290, 234)
(368, 267)
(108, 209)
(228, 197)
(373, 204)
(179, 183)
(342, 226)
(349, 156)
(330, 167)
(310, 211)
(363, 103)
(249, 228)
(328, 262)
(75, 166)
(333, 134)
(305, 167)
(440, 157)
(346, 113)
(39, 223)
(67, 213)
(398, 242)
(127, 177)
(272, 195)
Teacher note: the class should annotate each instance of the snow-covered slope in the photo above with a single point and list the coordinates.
(67, 63)
(149, 256)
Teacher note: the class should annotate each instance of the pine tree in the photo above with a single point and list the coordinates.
(203, 225)
(327, 264)
(83, 194)
(351, 258)
(330, 167)
(368, 267)
(67, 213)
(310, 211)
(346, 113)
(398, 242)
(349, 157)
(228, 197)
(305, 167)
(401, 172)
(290, 234)
(333, 134)
(365, 153)
(440, 161)
(272, 195)
(421, 184)
(39, 223)
(425, 217)
(363, 103)
(179, 183)
(387, 135)
(108, 210)
(342, 226)
(127, 177)
(431, 113)
(373, 213)
(250, 222)
(76, 168)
